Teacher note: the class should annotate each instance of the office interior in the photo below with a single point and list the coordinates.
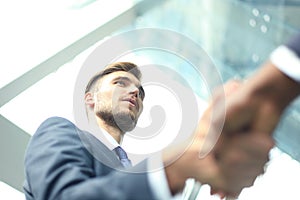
(44, 45)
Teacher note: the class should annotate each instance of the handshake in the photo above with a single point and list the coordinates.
(229, 151)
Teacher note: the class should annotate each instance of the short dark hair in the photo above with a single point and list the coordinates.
(114, 67)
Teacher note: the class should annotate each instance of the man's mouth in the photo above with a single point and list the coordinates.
(131, 101)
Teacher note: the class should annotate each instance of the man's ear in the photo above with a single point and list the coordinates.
(89, 100)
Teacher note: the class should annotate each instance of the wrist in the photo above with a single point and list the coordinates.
(273, 87)
(175, 181)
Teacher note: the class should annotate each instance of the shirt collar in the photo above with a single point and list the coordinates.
(107, 139)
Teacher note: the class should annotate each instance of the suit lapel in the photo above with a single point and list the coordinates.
(99, 151)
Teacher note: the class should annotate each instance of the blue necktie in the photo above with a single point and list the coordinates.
(123, 157)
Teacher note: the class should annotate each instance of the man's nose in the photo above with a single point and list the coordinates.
(134, 90)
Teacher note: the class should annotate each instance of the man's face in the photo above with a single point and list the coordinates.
(118, 100)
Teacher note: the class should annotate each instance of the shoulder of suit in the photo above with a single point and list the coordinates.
(57, 125)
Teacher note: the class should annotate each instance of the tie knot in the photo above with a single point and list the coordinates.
(123, 157)
(121, 153)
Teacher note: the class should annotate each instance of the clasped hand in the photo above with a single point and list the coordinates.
(227, 161)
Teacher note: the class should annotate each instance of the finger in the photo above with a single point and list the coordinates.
(266, 119)
(242, 159)
(210, 129)
(221, 194)
(227, 89)
(254, 144)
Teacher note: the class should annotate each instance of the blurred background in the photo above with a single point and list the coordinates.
(44, 43)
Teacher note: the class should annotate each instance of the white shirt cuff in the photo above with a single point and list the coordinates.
(157, 176)
(286, 61)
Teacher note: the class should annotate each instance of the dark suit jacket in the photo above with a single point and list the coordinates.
(58, 165)
(294, 44)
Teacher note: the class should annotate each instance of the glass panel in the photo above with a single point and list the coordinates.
(239, 36)
(32, 31)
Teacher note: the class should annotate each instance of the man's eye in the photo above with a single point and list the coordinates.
(121, 83)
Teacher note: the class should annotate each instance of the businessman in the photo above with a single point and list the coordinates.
(63, 162)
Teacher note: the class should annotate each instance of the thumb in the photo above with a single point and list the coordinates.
(210, 129)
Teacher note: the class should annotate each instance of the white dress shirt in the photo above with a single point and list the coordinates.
(286, 61)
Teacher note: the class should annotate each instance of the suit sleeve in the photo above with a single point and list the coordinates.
(294, 44)
(57, 166)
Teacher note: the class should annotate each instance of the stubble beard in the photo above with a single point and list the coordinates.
(122, 120)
